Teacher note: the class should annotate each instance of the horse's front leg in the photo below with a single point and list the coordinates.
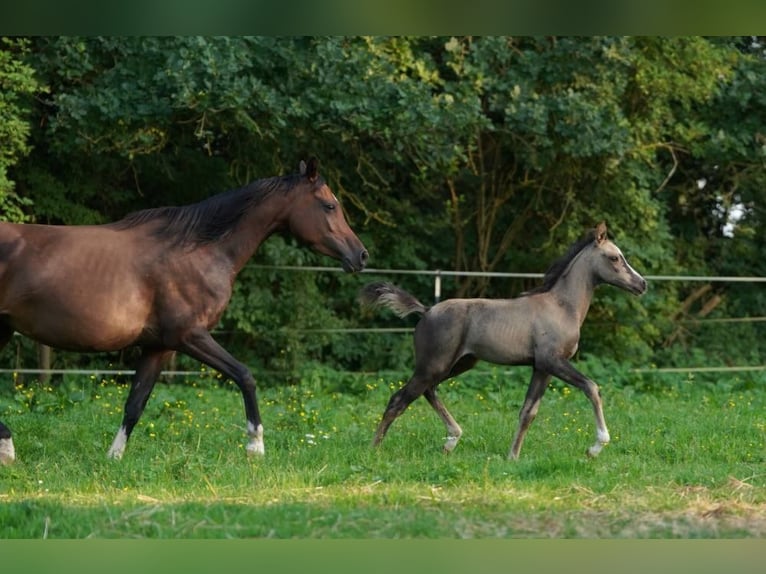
(201, 345)
(564, 370)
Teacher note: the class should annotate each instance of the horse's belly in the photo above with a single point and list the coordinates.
(79, 328)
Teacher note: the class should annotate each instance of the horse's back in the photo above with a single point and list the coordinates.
(71, 287)
(11, 241)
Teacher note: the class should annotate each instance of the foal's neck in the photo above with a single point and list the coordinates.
(574, 289)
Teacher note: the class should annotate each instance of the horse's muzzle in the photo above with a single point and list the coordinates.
(356, 263)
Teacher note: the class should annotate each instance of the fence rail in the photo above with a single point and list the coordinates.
(438, 274)
(504, 274)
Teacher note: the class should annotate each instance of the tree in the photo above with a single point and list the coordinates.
(17, 85)
(465, 153)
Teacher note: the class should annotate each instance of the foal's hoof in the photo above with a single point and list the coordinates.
(450, 445)
(594, 451)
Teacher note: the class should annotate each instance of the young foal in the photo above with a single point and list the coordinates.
(541, 328)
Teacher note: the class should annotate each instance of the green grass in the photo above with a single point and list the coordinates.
(686, 460)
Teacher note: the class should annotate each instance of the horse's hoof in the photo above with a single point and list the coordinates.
(255, 450)
(7, 452)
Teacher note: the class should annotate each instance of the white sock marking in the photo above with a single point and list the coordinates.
(451, 443)
(118, 445)
(602, 439)
(7, 452)
(255, 445)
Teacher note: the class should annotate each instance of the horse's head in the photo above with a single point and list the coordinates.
(610, 265)
(317, 220)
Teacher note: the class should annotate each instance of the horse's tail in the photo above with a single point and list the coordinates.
(391, 296)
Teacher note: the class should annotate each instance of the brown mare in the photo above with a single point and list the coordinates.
(159, 280)
(541, 328)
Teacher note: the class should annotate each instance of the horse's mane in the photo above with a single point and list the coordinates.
(211, 219)
(557, 268)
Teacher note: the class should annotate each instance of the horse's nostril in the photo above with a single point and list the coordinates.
(364, 256)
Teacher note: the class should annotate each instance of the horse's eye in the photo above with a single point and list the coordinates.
(329, 206)
(614, 258)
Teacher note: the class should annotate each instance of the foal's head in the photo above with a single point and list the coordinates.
(317, 220)
(610, 266)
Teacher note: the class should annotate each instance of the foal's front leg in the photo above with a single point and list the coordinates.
(535, 392)
(564, 370)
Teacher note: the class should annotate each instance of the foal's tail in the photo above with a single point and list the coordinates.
(391, 296)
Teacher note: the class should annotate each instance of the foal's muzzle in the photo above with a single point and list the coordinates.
(639, 287)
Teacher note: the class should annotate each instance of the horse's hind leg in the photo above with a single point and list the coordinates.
(453, 429)
(148, 369)
(535, 392)
(7, 452)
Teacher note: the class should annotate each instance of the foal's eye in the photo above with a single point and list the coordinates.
(614, 258)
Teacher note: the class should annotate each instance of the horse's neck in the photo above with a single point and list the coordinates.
(252, 230)
(575, 287)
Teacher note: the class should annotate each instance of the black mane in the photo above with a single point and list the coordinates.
(211, 219)
(558, 267)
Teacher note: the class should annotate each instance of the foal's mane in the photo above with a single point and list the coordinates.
(211, 219)
(557, 268)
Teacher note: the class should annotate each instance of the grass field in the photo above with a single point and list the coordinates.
(686, 461)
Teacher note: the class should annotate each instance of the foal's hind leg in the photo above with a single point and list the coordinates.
(148, 369)
(453, 429)
(399, 402)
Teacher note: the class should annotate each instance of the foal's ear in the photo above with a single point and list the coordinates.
(601, 233)
(310, 170)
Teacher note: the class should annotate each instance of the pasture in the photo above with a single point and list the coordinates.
(686, 460)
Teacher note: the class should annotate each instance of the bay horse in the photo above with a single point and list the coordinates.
(540, 328)
(160, 279)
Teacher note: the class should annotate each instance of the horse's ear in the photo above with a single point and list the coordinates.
(310, 170)
(601, 233)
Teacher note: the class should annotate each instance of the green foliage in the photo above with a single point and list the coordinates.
(466, 153)
(17, 84)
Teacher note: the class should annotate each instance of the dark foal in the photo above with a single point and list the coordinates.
(541, 328)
